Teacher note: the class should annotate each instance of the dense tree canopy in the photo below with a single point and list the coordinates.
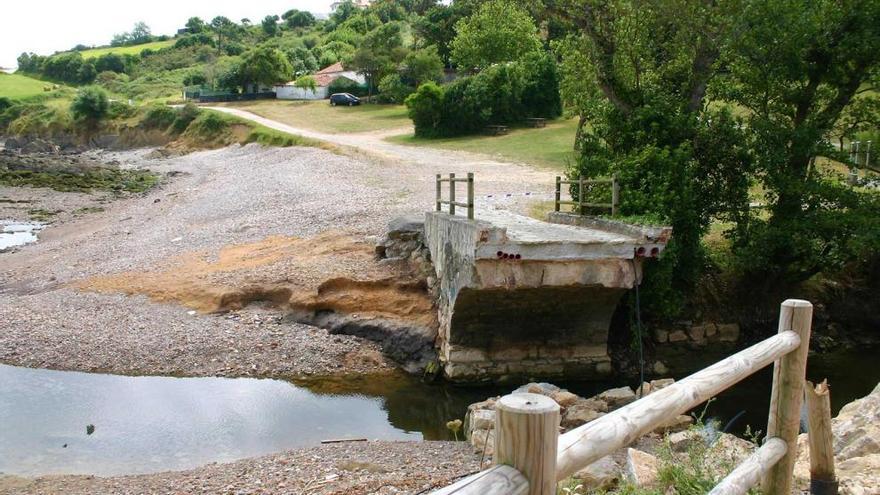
(500, 31)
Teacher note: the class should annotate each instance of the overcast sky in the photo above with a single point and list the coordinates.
(46, 26)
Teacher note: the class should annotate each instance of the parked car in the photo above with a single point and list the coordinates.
(344, 99)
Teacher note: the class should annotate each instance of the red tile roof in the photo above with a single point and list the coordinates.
(330, 69)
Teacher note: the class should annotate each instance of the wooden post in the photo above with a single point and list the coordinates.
(439, 193)
(788, 393)
(580, 195)
(526, 435)
(822, 478)
(470, 185)
(558, 191)
(615, 196)
(452, 194)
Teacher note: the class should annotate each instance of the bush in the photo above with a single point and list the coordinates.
(4, 103)
(208, 126)
(185, 116)
(425, 108)
(392, 89)
(90, 105)
(120, 110)
(158, 117)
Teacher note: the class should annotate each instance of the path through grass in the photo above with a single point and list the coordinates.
(549, 147)
(320, 116)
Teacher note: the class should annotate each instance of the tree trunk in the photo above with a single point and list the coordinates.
(582, 121)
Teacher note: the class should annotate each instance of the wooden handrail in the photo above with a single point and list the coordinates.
(588, 443)
(451, 202)
(750, 472)
(614, 205)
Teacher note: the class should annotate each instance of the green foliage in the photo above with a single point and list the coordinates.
(90, 105)
(422, 65)
(392, 89)
(345, 85)
(111, 62)
(799, 71)
(184, 116)
(306, 82)
(425, 108)
(209, 126)
(497, 95)
(158, 117)
(270, 25)
(500, 31)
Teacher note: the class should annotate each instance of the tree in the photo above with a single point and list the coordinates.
(264, 66)
(195, 25)
(423, 65)
(270, 25)
(639, 75)
(110, 62)
(797, 68)
(140, 34)
(90, 105)
(298, 18)
(306, 82)
(343, 11)
(500, 31)
(223, 28)
(379, 53)
(437, 27)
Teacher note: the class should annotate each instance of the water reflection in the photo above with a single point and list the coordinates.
(17, 233)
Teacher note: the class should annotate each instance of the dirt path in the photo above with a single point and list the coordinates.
(374, 143)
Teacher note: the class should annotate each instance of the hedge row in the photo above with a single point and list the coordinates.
(501, 94)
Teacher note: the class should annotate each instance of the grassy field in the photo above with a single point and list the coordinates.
(320, 116)
(16, 86)
(548, 147)
(122, 50)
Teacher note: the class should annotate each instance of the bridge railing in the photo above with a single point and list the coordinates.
(531, 457)
(581, 202)
(452, 180)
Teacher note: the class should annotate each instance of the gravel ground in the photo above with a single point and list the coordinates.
(338, 469)
(209, 200)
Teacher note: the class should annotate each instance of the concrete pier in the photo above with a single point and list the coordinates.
(522, 297)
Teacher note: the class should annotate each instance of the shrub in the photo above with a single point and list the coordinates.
(392, 89)
(540, 92)
(158, 117)
(208, 126)
(120, 110)
(185, 115)
(425, 108)
(4, 103)
(90, 105)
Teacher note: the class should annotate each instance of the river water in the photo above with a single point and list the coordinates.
(14, 234)
(150, 424)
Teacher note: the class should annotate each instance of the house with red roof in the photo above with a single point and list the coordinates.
(323, 79)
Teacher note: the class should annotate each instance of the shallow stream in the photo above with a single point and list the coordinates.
(14, 234)
(150, 424)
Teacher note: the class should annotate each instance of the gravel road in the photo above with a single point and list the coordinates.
(210, 200)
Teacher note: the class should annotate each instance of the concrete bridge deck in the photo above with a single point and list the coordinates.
(520, 296)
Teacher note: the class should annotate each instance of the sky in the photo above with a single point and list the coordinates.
(47, 26)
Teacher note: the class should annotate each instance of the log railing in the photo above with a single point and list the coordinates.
(451, 201)
(581, 204)
(522, 437)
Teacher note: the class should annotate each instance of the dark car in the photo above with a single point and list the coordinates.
(344, 99)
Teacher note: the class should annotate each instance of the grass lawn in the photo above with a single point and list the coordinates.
(122, 50)
(549, 147)
(16, 86)
(320, 116)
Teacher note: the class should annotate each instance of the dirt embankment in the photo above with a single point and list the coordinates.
(331, 280)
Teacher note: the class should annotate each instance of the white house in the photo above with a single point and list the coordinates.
(323, 78)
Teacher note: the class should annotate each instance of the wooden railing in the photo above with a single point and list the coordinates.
(581, 203)
(531, 457)
(451, 201)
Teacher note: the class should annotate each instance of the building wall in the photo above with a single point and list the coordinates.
(294, 93)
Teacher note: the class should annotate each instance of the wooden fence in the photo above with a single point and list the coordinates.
(581, 203)
(531, 457)
(451, 201)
